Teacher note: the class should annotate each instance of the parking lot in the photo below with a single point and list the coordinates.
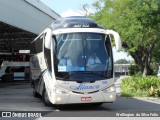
(17, 96)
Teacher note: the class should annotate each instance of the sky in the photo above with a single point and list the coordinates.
(62, 6)
(73, 8)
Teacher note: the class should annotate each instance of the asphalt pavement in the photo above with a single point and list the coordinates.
(17, 96)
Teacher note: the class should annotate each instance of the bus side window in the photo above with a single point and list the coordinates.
(37, 45)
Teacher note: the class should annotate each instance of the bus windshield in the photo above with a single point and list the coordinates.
(83, 54)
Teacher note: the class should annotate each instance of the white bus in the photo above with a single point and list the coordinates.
(72, 63)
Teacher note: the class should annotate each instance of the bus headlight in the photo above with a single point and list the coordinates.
(60, 91)
(110, 89)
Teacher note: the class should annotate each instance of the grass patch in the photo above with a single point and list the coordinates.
(139, 86)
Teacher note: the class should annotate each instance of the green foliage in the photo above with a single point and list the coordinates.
(139, 86)
(122, 61)
(150, 71)
(133, 69)
(138, 24)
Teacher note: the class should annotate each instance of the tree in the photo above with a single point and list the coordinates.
(138, 24)
(122, 61)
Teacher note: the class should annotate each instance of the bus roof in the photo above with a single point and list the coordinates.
(74, 22)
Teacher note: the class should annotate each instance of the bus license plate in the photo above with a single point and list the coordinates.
(86, 99)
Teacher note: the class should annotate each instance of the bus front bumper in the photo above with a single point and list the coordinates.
(75, 98)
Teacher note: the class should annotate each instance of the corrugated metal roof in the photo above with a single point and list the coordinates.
(40, 5)
(21, 21)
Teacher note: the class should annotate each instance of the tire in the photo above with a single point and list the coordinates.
(45, 98)
(35, 94)
(32, 83)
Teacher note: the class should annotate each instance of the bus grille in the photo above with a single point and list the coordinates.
(85, 93)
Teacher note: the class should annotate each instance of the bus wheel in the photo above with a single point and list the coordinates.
(45, 98)
(35, 94)
(32, 83)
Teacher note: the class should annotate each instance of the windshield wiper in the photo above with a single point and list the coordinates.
(99, 75)
(72, 74)
(86, 72)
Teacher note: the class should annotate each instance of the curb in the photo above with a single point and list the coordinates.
(149, 99)
(146, 99)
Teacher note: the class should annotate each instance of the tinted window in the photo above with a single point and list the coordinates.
(37, 45)
(83, 52)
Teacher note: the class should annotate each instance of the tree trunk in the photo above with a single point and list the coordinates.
(146, 64)
(145, 71)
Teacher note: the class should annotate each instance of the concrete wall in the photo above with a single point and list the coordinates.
(30, 15)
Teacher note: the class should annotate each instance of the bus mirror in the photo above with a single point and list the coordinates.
(117, 39)
(48, 39)
(48, 44)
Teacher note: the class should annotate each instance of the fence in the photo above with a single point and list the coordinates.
(121, 69)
